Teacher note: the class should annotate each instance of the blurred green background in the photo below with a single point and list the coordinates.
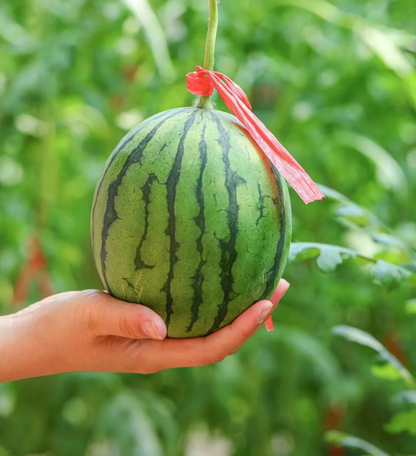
(336, 83)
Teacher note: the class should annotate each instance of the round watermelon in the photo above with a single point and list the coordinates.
(191, 219)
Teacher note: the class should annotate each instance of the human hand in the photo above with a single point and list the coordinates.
(92, 331)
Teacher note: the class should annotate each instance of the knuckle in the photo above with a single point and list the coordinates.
(84, 320)
(85, 313)
(126, 327)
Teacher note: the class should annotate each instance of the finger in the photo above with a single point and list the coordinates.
(280, 291)
(232, 337)
(109, 316)
(214, 348)
(277, 295)
(206, 350)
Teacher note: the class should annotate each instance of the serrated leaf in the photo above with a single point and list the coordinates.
(390, 240)
(329, 259)
(402, 422)
(388, 274)
(349, 441)
(363, 338)
(299, 251)
(328, 256)
(354, 214)
(405, 397)
(410, 267)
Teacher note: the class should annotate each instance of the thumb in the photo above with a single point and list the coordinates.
(112, 317)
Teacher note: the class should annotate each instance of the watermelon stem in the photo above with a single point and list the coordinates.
(205, 102)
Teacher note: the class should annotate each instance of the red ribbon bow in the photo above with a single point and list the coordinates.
(202, 82)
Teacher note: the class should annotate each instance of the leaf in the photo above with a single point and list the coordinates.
(350, 441)
(333, 194)
(355, 214)
(388, 239)
(389, 275)
(128, 426)
(405, 397)
(383, 44)
(363, 338)
(386, 372)
(410, 266)
(402, 422)
(313, 349)
(16, 35)
(300, 251)
(155, 35)
(328, 256)
(389, 172)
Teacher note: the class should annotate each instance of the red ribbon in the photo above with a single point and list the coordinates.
(269, 323)
(202, 82)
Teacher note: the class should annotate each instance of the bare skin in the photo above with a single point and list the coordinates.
(91, 331)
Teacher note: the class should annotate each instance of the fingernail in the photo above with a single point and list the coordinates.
(286, 285)
(150, 330)
(265, 312)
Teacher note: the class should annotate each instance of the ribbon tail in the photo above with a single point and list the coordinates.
(237, 91)
(293, 172)
(269, 323)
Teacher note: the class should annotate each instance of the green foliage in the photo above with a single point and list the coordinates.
(403, 422)
(328, 257)
(363, 338)
(350, 441)
(336, 83)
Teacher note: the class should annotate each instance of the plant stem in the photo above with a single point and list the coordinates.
(204, 102)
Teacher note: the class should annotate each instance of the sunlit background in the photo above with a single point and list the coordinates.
(336, 83)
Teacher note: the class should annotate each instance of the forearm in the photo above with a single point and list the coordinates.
(21, 354)
(8, 354)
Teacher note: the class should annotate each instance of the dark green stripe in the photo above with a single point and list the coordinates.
(171, 185)
(270, 274)
(146, 190)
(123, 143)
(110, 215)
(260, 204)
(198, 278)
(228, 247)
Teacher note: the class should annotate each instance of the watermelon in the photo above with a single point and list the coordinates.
(190, 219)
